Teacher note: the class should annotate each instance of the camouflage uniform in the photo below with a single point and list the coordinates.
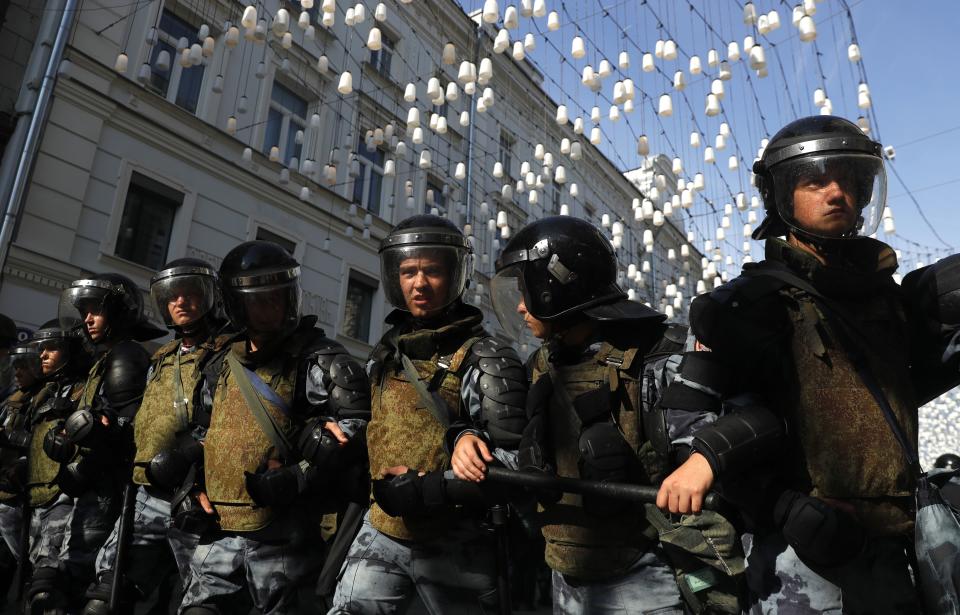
(264, 550)
(153, 539)
(838, 447)
(446, 557)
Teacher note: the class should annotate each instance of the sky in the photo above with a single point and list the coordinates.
(908, 51)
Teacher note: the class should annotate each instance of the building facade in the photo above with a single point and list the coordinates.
(187, 148)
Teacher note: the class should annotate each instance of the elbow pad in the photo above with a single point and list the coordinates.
(502, 387)
(125, 377)
(739, 440)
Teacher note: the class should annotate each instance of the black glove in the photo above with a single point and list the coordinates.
(819, 533)
(280, 486)
(410, 494)
(85, 428)
(190, 517)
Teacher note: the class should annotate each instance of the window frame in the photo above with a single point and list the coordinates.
(388, 43)
(505, 154)
(432, 182)
(254, 224)
(368, 167)
(175, 74)
(370, 284)
(288, 117)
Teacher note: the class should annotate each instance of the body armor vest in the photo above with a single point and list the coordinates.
(235, 443)
(161, 415)
(848, 449)
(49, 409)
(579, 544)
(402, 430)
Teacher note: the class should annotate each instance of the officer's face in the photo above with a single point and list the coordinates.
(266, 310)
(424, 281)
(185, 306)
(94, 320)
(23, 375)
(539, 329)
(825, 204)
(52, 357)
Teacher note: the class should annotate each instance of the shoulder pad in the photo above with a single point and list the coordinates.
(124, 375)
(325, 350)
(492, 347)
(676, 333)
(507, 366)
(504, 390)
(165, 350)
(745, 289)
(741, 316)
(345, 372)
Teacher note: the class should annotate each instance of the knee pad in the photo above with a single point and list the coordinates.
(201, 610)
(97, 606)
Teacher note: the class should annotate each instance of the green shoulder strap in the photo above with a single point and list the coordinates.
(259, 411)
(429, 397)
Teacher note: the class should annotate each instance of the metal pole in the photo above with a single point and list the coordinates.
(31, 144)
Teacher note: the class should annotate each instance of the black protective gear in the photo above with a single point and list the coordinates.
(821, 534)
(815, 146)
(25, 361)
(114, 295)
(125, 377)
(426, 236)
(949, 461)
(13, 477)
(189, 516)
(168, 469)
(278, 486)
(738, 441)
(188, 276)
(319, 446)
(503, 390)
(560, 267)
(256, 271)
(934, 292)
(201, 610)
(350, 390)
(605, 456)
(410, 493)
(57, 445)
(44, 594)
(85, 429)
(700, 384)
(77, 477)
(97, 606)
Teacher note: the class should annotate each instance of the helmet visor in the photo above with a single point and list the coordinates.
(25, 363)
(506, 297)
(84, 297)
(831, 195)
(183, 299)
(269, 310)
(424, 279)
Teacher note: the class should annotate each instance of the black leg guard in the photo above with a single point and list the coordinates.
(201, 610)
(44, 596)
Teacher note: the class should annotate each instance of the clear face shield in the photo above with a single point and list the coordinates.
(424, 278)
(82, 298)
(266, 303)
(831, 195)
(25, 364)
(53, 348)
(506, 295)
(183, 295)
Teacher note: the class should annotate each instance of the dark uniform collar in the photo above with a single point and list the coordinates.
(443, 335)
(861, 265)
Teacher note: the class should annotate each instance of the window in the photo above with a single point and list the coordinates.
(381, 60)
(177, 84)
(368, 186)
(438, 200)
(287, 116)
(589, 212)
(557, 197)
(287, 244)
(358, 307)
(506, 153)
(147, 221)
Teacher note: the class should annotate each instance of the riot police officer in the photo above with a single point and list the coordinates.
(95, 444)
(445, 394)
(14, 441)
(593, 415)
(186, 295)
(818, 342)
(281, 412)
(64, 363)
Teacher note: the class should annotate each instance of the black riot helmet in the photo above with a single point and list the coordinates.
(428, 245)
(948, 461)
(261, 289)
(190, 281)
(560, 267)
(51, 335)
(117, 298)
(816, 151)
(25, 362)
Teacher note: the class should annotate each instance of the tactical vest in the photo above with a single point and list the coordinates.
(160, 416)
(235, 442)
(585, 546)
(848, 449)
(403, 431)
(41, 470)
